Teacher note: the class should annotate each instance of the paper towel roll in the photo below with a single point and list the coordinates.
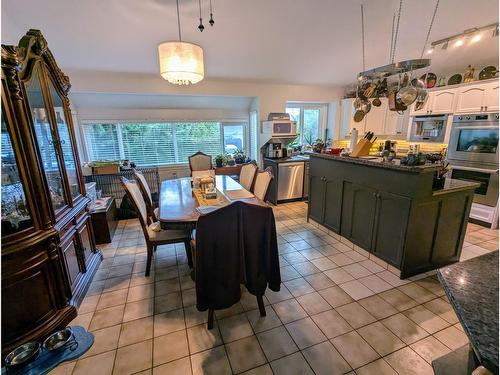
(354, 138)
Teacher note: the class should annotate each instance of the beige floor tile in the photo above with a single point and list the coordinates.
(261, 370)
(299, 287)
(168, 302)
(426, 319)
(110, 299)
(276, 343)
(338, 275)
(235, 328)
(378, 367)
(65, 368)
(375, 283)
(306, 268)
(313, 303)
(335, 296)
(88, 304)
(293, 364)
(170, 347)
(356, 270)
(116, 283)
(430, 283)
(381, 338)
(245, 354)
(211, 362)
(249, 301)
(133, 358)
(201, 338)
(443, 309)
(105, 339)
(179, 367)
(391, 278)
(354, 349)
(289, 310)
(167, 286)
(101, 364)
(194, 317)
(262, 323)
(452, 337)
(282, 295)
(107, 317)
(398, 299)
(138, 309)
(189, 297)
(355, 315)
(319, 281)
(378, 307)
(305, 333)
(325, 359)
(356, 290)
(136, 331)
(430, 349)
(168, 322)
(323, 263)
(331, 323)
(404, 328)
(416, 292)
(235, 309)
(82, 320)
(140, 292)
(407, 362)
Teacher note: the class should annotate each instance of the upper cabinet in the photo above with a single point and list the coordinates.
(438, 102)
(375, 119)
(481, 97)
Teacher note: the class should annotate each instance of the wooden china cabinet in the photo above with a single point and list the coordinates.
(48, 252)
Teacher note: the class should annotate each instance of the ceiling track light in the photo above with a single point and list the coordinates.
(474, 34)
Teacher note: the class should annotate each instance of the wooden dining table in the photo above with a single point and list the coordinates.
(178, 205)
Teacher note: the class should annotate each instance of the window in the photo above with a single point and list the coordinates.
(311, 121)
(162, 142)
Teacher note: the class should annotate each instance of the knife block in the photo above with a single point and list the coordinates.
(362, 148)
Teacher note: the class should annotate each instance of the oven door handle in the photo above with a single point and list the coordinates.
(472, 169)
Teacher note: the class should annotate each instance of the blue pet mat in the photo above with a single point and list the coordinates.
(47, 361)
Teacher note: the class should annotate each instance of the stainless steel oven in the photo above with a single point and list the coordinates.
(474, 138)
(484, 174)
(428, 128)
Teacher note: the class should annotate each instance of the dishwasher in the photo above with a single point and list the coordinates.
(290, 180)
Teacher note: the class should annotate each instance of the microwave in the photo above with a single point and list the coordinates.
(280, 128)
(428, 128)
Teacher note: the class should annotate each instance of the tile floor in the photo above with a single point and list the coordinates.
(338, 312)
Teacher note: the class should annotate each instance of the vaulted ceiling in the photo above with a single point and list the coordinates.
(293, 41)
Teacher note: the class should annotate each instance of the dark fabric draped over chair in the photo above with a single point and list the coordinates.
(235, 245)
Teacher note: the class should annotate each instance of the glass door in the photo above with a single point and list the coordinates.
(65, 141)
(46, 140)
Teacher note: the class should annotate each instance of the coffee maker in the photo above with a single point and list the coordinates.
(274, 151)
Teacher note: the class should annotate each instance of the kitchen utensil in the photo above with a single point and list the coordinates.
(357, 104)
(377, 102)
(441, 82)
(407, 95)
(359, 116)
(455, 79)
(488, 72)
(23, 355)
(365, 106)
(58, 340)
(394, 105)
(429, 79)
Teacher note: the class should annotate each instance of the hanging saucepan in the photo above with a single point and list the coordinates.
(394, 103)
(359, 116)
(407, 94)
(421, 99)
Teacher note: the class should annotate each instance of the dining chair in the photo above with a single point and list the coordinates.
(235, 244)
(153, 234)
(262, 183)
(247, 175)
(200, 162)
(146, 194)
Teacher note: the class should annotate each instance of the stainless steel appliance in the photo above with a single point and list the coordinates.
(486, 175)
(474, 138)
(430, 128)
(274, 150)
(291, 180)
(280, 128)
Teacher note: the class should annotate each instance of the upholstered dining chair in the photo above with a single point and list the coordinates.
(200, 162)
(153, 234)
(146, 194)
(247, 175)
(262, 183)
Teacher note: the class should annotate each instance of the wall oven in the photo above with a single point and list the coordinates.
(474, 138)
(484, 174)
(428, 128)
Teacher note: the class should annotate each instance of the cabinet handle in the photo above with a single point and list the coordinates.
(485, 108)
(481, 108)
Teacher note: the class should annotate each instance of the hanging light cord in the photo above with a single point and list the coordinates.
(396, 32)
(199, 2)
(363, 35)
(210, 6)
(392, 36)
(430, 28)
(179, 21)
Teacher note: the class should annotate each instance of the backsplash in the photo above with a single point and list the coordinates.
(401, 146)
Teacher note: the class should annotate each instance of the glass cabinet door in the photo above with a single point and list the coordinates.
(15, 212)
(46, 142)
(65, 139)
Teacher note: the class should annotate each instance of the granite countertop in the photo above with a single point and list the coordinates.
(472, 288)
(452, 184)
(291, 159)
(373, 161)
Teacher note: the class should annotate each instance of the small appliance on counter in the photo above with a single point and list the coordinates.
(431, 128)
(279, 125)
(274, 151)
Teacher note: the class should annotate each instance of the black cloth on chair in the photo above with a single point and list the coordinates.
(235, 245)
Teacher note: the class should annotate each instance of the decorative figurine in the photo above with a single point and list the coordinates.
(469, 74)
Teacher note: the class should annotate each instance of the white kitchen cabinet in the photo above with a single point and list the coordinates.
(491, 98)
(375, 119)
(438, 102)
(396, 123)
(347, 122)
(472, 98)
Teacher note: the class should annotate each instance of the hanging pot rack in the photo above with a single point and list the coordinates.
(393, 69)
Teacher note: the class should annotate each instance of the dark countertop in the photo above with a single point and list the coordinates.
(472, 288)
(291, 159)
(452, 184)
(377, 162)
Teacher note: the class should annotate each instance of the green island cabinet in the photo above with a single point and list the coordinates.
(391, 210)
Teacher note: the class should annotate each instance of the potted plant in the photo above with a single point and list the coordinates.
(220, 160)
(239, 157)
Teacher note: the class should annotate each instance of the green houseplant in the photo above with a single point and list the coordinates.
(239, 157)
(220, 160)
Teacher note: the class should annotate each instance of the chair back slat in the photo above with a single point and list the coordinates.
(247, 176)
(200, 162)
(135, 196)
(262, 183)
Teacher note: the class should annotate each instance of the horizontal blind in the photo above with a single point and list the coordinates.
(201, 136)
(102, 141)
(148, 144)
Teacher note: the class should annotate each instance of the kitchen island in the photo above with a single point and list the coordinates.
(391, 210)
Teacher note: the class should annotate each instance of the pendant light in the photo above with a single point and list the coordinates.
(181, 63)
